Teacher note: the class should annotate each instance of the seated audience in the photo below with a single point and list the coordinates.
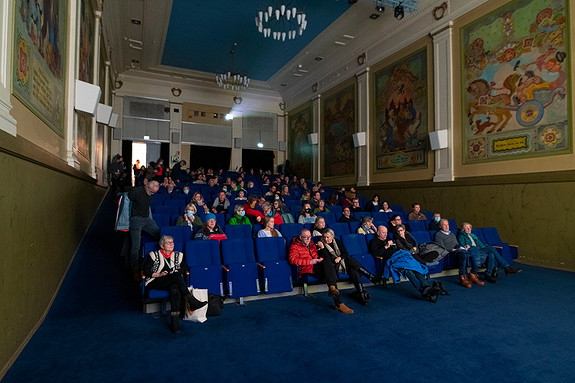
(269, 229)
(348, 196)
(239, 217)
(373, 205)
(383, 248)
(434, 224)
(393, 222)
(305, 196)
(321, 207)
(405, 241)
(306, 215)
(448, 241)
(332, 250)
(268, 212)
(470, 241)
(385, 207)
(209, 228)
(416, 214)
(165, 269)
(303, 253)
(241, 195)
(346, 216)
(333, 199)
(221, 204)
(189, 218)
(367, 226)
(198, 200)
(186, 190)
(355, 206)
(254, 215)
(318, 227)
(315, 199)
(279, 208)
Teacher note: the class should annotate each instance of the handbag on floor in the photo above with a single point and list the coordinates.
(215, 305)
(198, 315)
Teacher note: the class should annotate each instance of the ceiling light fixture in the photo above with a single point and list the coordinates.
(281, 22)
(399, 7)
(232, 79)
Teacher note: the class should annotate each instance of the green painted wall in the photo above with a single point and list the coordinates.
(44, 212)
(534, 211)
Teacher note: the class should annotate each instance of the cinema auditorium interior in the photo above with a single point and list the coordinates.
(287, 190)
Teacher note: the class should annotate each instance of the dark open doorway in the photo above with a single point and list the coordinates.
(257, 159)
(209, 157)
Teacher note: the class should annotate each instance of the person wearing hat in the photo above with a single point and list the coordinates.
(209, 228)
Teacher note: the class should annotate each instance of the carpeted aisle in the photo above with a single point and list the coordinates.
(519, 330)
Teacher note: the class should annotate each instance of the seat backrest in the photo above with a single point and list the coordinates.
(377, 216)
(353, 226)
(329, 217)
(290, 230)
(479, 233)
(202, 253)
(238, 231)
(492, 236)
(220, 220)
(161, 219)
(270, 249)
(337, 210)
(340, 228)
(354, 243)
(396, 208)
(150, 246)
(453, 225)
(238, 250)
(417, 225)
(360, 214)
(421, 236)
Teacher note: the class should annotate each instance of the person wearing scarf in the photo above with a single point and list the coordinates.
(165, 269)
(333, 250)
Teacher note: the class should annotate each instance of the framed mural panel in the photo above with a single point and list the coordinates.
(39, 59)
(86, 74)
(401, 114)
(300, 152)
(515, 88)
(338, 124)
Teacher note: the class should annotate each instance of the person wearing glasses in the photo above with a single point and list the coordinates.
(165, 269)
(239, 217)
(303, 253)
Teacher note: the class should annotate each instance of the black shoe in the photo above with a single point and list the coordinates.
(512, 270)
(441, 288)
(487, 277)
(495, 272)
(361, 297)
(175, 322)
(430, 293)
(194, 303)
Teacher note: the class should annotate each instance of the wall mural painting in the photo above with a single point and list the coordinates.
(514, 82)
(39, 58)
(86, 74)
(401, 114)
(300, 152)
(339, 120)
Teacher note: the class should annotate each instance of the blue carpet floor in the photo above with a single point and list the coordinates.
(520, 330)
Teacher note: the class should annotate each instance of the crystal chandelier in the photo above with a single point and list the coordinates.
(232, 79)
(281, 22)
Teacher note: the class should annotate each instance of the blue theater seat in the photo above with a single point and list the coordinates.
(238, 231)
(241, 270)
(203, 259)
(275, 270)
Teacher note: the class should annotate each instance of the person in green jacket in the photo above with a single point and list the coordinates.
(239, 217)
(189, 218)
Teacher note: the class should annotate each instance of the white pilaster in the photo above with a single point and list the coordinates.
(7, 122)
(443, 99)
(175, 129)
(363, 113)
(73, 49)
(116, 141)
(236, 157)
(106, 137)
(96, 81)
(316, 149)
(282, 136)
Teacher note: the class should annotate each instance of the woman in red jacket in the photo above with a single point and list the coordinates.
(303, 253)
(254, 215)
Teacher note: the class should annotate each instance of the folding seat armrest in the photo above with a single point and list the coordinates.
(497, 247)
(262, 266)
(514, 246)
(225, 268)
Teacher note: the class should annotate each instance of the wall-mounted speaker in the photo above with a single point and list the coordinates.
(175, 137)
(113, 120)
(438, 139)
(238, 143)
(104, 114)
(86, 97)
(358, 139)
(313, 138)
